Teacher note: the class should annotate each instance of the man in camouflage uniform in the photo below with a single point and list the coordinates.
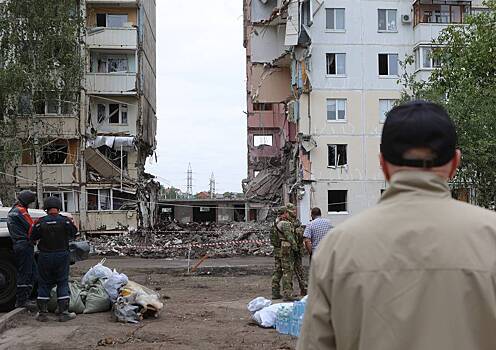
(298, 256)
(284, 242)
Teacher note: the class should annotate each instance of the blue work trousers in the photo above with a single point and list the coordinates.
(53, 270)
(26, 270)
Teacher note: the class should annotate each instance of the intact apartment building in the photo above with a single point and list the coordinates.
(344, 70)
(95, 158)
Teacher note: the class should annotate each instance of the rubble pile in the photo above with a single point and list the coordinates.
(173, 240)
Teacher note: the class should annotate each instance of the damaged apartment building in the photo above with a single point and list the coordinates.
(322, 74)
(95, 164)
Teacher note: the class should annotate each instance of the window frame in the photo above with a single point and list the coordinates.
(345, 203)
(336, 155)
(107, 14)
(334, 11)
(337, 120)
(389, 75)
(263, 136)
(391, 102)
(387, 12)
(336, 55)
(420, 56)
(122, 108)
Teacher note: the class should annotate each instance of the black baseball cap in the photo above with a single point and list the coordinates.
(418, 124)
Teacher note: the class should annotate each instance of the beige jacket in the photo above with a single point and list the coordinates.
(415, 272)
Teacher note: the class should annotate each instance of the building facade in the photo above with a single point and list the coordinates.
(96, 155)
(349, 53)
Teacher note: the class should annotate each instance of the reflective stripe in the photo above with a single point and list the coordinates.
(62, 298)
(24, 286)
(43, 298)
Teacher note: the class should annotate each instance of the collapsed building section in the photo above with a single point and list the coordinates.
(93, 157)
(277, 48)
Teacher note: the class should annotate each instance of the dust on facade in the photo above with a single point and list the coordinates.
(95, 161)
(321, 75)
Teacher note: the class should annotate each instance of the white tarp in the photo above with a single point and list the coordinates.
(114, 142)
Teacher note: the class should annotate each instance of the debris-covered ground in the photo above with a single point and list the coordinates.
(201, 312)
(172, 240)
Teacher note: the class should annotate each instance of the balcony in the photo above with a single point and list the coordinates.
(111, 83)
(112, 38)
(52, 174)
(63, 126)
(427, 32)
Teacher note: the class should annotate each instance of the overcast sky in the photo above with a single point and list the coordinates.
(200, 94)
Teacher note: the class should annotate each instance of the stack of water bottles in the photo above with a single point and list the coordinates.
(290, 318)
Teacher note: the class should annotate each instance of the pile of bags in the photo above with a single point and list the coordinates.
(102, 289)
(287, 318)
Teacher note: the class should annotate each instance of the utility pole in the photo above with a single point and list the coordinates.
(189, 184)
(212, 186)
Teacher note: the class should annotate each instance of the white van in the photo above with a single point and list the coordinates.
(7, 263)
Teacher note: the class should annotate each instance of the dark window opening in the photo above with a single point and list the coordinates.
(331, 63)
(100, 113)
(114, 156)
(54, 153)
(123, 200)
(101, 20)
(337, 155)
(306, 17)
(24, 105)
(113, 113)
(262, 106)
(337, 201)
(92, 199)
(383, 64)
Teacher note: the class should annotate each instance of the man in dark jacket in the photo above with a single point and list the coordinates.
(53, 233)
(20, 225)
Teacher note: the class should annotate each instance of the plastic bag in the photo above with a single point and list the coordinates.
(146, 298)
(266, 317)
(76, 303)
(114, 283)
(97, 299)
(96, 272)
(125, 312)
(258, 304)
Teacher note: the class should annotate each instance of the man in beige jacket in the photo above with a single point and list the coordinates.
(418, 270)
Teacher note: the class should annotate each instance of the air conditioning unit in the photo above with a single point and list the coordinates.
(406, 18)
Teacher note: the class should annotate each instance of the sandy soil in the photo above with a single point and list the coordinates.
(201, 312)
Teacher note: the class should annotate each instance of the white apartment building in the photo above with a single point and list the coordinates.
(353, 67)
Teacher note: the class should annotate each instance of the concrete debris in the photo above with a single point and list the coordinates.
(171, 240)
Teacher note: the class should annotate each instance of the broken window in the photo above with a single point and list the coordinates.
(123, 200)
(335, 19)
(388, 64)
(337, 201)
(101, 113)
(387, 20)
(92, 199)
(104, 200)
(337, 155)
(54, 153)
(113, 113)
(123, 114)
(307, 13)
(262, 140)
(336, 109)
(115, 156)
(117, 64)
(336, 63)
(262, 106)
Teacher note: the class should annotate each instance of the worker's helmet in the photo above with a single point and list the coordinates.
(26, 197)
(52, 202)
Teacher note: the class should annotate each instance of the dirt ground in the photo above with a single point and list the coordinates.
(206, 311)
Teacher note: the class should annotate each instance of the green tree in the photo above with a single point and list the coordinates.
(40, 58)
(465, 84)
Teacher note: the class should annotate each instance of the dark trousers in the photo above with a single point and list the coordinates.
(53, 270)
(26, 270)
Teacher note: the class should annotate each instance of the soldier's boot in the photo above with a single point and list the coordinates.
(288, 297)
(64, 314)
(42, 314)
(276, 294)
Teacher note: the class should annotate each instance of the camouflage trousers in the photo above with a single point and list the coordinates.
(283, 272)
(300, 273)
